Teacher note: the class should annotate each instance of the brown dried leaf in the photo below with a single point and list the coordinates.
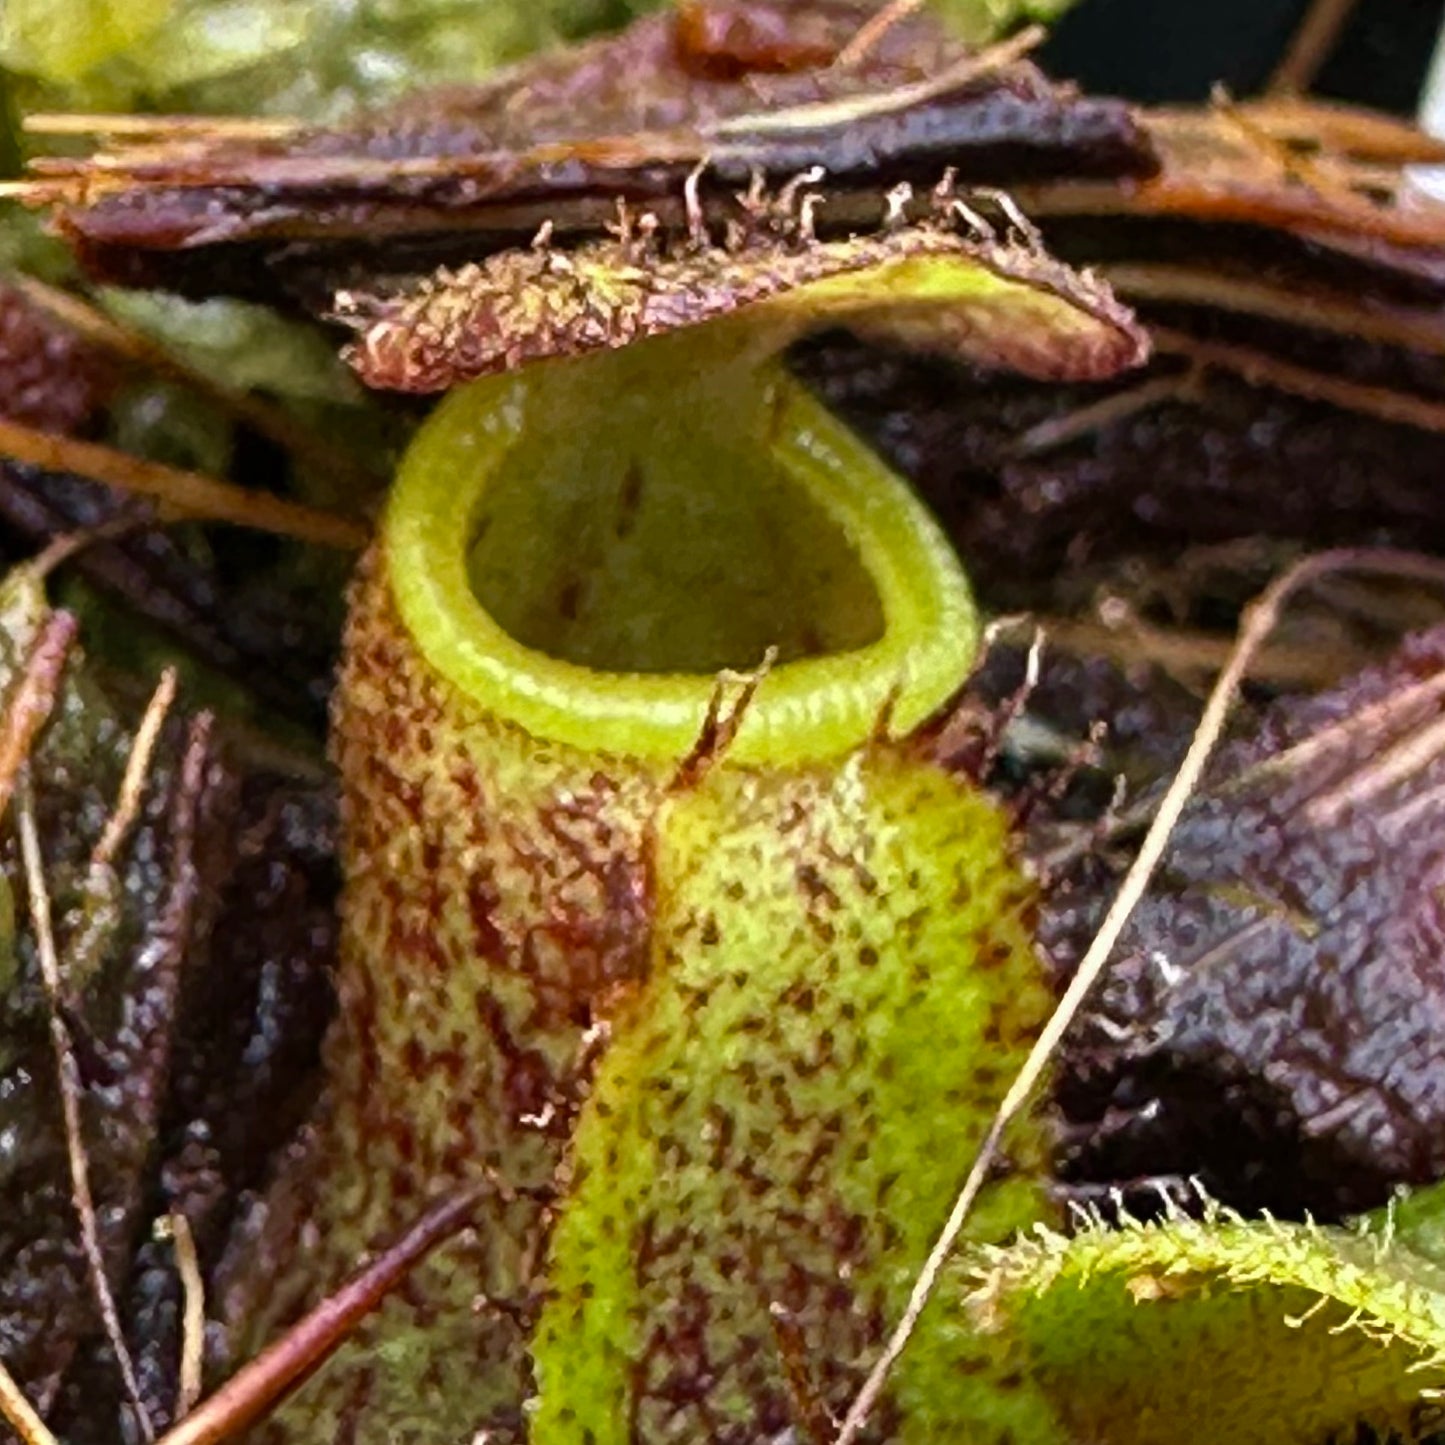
(744, 84)
(1274, 1019)
(1222, 165)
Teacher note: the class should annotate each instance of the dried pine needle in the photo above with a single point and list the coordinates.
(182, 493)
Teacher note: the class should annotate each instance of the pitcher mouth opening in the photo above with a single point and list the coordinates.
(584, 547)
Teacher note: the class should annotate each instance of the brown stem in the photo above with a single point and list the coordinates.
(1259, 368)
(260, 1386)
(71, 1090)
(34, 697)
(191, 494)
(1310, 46)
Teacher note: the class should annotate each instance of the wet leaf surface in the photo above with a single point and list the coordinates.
(1272, 1022)
(52, 379)
(225, 876)
(190, 589)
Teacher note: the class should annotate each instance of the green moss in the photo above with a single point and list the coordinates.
(310, 58)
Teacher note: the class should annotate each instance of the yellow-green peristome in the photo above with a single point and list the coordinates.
(722, 1010)
(784, 533)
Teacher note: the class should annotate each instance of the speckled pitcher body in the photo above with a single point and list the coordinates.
(657, 916)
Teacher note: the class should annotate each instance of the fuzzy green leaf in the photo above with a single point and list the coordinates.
(1225, 1329)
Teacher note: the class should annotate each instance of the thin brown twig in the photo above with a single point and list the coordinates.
(872, 31)
(191, 494)
(81, 179)
(1408, 705)
(842, 112)
(1310, 46)
(86, 946)
(1058, 431)
(1292, 163)
(137, 766)
(1358, 317)
(177, 1228)
(261, 1385)
(1258, 621)
(34, 697)
(1259, 368)
(1192, 656)
(209, 127)
(71, 1090)
(1407, 757)
(20, 1414)
(1347, 130)
(88, 321)
(61, 549)
(1218, 199)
